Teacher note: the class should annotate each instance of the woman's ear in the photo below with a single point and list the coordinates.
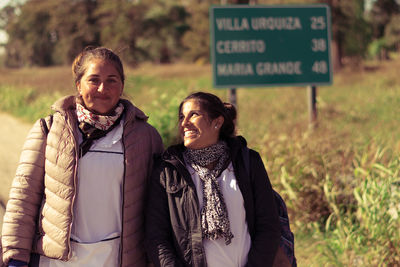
(218, 122)
(78, 88)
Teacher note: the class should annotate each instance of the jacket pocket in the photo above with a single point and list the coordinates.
(174, 188)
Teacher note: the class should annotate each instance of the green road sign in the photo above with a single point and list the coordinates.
(270, 45)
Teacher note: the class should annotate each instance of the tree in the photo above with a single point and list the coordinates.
(356, 30)
(27, 45)
(120, 22)
(380, 15)
(164, 26)
(350, 30)
(197, 39)
(49, 32)
(392, 33)
(73, 27)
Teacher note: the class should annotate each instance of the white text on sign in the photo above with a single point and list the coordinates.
(258, 24)
(261, 68)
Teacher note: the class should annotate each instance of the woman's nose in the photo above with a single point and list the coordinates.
(184, 122)
(101, 87)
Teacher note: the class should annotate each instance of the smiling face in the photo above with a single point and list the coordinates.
(101, 86)
(196, 129)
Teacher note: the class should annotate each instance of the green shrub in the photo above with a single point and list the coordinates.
(163, 115)
(376, 47)
(367, 234)
(27, 103)
(298, 165)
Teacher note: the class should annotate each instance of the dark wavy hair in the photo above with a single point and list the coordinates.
(79, 65)
(214, 108)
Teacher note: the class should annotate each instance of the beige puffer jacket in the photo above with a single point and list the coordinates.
(57, 163)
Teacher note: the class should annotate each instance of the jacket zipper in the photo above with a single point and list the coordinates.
(123, 202)
(74, 195)
(39, 222)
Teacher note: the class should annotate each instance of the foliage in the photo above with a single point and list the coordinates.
(27, 103)
(120, 26)
(380, 15)
(148, 30)
(367, 232)
(357, 32)
(339, 180)
(26, 44)
(197, 39)
(376, 47)
(71, 35)
(298, 163)
(392, 32)
(379, 18)
(163, 27)
(166, 122)
(47, 32)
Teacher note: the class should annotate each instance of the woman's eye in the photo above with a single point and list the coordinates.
(94, 80)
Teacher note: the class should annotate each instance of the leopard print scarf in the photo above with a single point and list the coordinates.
(214, 215)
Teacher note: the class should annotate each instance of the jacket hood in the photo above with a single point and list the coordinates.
(68, 103)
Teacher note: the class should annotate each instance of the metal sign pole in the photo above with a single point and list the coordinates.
(232, 91)
(232, 97)
(312, 106)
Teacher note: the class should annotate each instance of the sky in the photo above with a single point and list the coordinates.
(3, 35)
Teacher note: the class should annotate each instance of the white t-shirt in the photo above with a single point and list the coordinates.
(97, 206)
(217, 253)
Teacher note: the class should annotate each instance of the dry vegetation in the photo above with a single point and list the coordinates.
(317, 171)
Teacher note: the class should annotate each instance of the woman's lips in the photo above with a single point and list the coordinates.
(102, 97)
(189, 133)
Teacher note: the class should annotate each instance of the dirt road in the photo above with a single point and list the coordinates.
(12, 137)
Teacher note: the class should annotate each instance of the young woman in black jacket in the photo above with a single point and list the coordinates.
(203, 207)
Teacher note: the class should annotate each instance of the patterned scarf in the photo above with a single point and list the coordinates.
(214, 215)
(98, 121)
(93, 126)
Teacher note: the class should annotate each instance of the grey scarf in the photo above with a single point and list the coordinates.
(214, 215)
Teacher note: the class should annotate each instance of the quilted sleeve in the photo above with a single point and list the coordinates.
(25, 198)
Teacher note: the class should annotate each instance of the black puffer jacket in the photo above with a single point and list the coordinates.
(173, 225)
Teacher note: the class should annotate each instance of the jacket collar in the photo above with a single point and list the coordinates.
(68, 104)
(174, 154)
(236, 145)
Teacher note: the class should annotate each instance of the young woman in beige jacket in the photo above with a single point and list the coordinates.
(78, 195)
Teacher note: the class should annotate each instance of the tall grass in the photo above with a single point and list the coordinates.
(366, 233)
(340, 180)
(26, 104)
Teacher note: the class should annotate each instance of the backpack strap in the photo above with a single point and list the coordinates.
(46, 124)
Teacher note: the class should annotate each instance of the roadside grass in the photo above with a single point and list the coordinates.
(331, 177)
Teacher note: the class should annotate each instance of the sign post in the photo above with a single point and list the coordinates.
(259, 46)
(312, 107)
